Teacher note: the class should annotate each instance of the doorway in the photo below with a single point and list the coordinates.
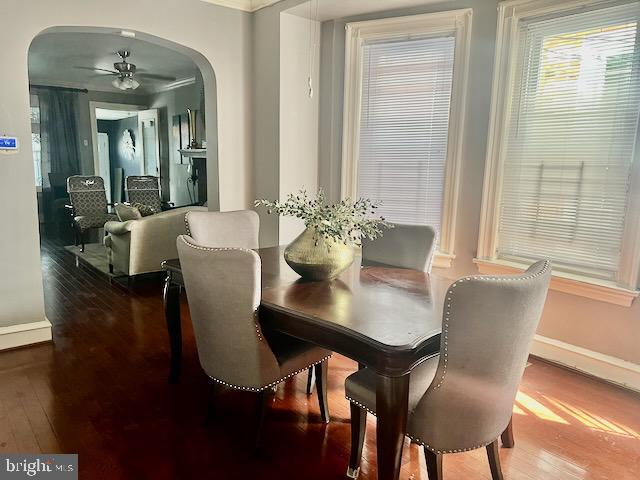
(126, 143)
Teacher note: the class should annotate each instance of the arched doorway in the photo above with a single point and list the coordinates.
(83, 123)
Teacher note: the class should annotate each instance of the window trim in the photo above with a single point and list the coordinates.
(510, 12)
(456, 22)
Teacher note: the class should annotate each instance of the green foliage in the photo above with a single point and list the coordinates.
(346, 222)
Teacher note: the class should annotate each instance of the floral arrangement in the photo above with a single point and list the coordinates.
(346, 221)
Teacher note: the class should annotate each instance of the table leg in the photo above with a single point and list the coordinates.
(171, 299)
(392, 404)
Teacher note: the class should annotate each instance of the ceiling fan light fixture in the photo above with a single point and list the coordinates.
(126, 83)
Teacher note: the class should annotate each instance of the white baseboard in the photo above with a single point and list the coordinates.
(606, 367)
(25, 334)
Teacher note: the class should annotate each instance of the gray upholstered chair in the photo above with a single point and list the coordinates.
(462, 399)
(404, 246)
(239, 228)
(223, 288)
(89, 205)
(144, 190)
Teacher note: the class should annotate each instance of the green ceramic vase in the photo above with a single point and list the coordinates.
(316, 261)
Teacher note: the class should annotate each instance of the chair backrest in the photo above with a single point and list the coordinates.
(224, 229)
(223, 287)
(487, 329)
(405, 246)
(87, 195)
(144, 189)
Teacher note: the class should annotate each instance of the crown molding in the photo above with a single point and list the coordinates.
(244, 5)
(177, 84)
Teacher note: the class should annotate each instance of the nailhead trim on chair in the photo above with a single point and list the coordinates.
(257, 326)
(272, 384)
(416, 439)
(444, 349)
(186, 222)
(447, 316)
(361, 405)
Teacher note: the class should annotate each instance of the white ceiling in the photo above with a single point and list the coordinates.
(52, 57)
(331, 9)
(104, 114)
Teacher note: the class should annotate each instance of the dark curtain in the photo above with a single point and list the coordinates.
(58, 132)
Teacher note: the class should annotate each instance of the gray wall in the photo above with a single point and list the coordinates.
(591, 324)
(217, 38)
(172, 103)
(266, 112)
(117, 157)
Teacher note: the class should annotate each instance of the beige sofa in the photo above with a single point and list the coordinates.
(140, 246)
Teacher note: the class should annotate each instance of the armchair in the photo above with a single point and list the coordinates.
(88, 205)
(145, 190)
(140, 246)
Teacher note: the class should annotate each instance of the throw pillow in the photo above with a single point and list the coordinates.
(145, 210)
(127, 212)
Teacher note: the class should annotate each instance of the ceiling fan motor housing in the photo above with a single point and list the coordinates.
(125, 68)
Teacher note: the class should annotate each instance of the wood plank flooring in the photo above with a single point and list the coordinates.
(100, 390)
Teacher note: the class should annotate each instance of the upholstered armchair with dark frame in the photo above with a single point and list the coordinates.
(88, 205)
(145, 190)
(462, 399)
(223, 288)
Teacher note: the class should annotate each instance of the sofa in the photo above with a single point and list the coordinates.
(140, 246)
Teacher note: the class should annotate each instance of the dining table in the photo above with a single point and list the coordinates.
(386, 319)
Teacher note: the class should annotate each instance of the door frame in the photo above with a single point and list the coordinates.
(151, 114)
(94, 124)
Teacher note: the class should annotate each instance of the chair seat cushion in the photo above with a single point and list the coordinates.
(294, 355)
(361, 386)
(94, 221)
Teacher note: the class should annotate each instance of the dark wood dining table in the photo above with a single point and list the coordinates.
(387, 319)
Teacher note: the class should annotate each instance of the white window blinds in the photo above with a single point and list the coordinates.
(406, 94)
(569, 145)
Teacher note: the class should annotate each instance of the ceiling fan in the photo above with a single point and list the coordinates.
(126, 73)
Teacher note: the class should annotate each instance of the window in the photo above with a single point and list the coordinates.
(404, 110)
(561, 168)
(35, 139)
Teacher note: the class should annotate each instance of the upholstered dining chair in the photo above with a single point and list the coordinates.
(462, 399)
(404, 246)
(144, 190)
(88, 204)
(238, 228)
(223, 288)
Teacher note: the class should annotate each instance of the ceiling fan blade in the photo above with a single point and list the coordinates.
(112, 72)
(153, 76)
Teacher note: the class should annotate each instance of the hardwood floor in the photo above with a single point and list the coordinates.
(101, 390)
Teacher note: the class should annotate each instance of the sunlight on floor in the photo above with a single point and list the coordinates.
(561, 412)
(530, 404)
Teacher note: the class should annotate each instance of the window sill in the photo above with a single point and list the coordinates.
(442, 260)
(563, 282)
